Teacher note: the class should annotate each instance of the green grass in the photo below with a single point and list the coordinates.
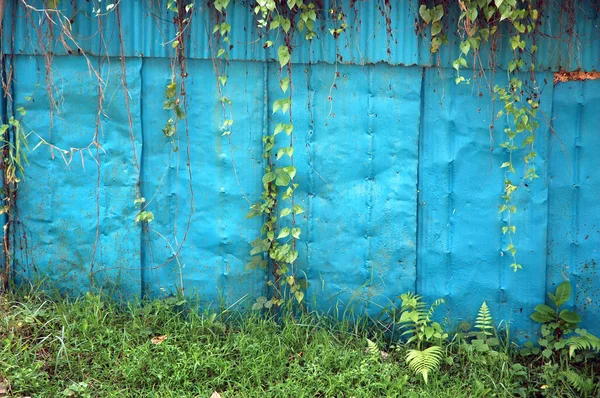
(93, 346)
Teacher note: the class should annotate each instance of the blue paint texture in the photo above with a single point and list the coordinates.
(573, 184)
(398, 166)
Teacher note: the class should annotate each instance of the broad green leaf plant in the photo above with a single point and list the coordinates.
(560, 328)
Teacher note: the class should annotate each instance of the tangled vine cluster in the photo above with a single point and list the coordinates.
(284, 25)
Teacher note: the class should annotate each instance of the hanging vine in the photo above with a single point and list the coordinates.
(478, 23)
(284, 26)
(277, 245)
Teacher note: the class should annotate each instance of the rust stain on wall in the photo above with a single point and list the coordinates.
(561, 77)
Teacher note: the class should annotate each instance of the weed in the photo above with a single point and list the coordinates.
(94, 346)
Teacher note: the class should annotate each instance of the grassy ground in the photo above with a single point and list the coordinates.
(95, 347)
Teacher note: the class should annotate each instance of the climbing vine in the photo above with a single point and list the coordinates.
(478, 23)
(277, 245)
(283, 26)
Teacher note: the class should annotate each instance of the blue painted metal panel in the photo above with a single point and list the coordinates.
(574, 232)
(357, 167)
(394, 165)
(201, 215)
(378, 31)
(460, 252)
(74, 205)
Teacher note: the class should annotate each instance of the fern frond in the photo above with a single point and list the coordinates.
(578, 382)
(373, 350)
(433, 307)
(424, 362)
(584, 341)
(484, 321)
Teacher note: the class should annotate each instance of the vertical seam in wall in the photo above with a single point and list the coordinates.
(141, 181)
(371, 182)
(265, 131)
(311, 184)
(450, 209)
(549, 184)
(419, 210)
(575, 204)
(576, 191)
(3, 119)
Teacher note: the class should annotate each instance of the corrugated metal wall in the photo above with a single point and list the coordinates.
(396, 174)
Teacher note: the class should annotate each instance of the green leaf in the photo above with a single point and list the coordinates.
(279, 126)
(290, 171)
(472, 13)
(429, 331)
(256, 262)
(276, 107)
(436, 28)
(21, 110)
(465, 46)
(563, 293)
(298, 209)
(285, 212)
(546, 309)
(284, 84)
(179, 112)
(288, 128)
(283, 53)
(547, 353)
(284, 233)
(269, 177)
(253, 213)
(515, 41)
(437, 13)
(285, 25)
(282, 179)
(299, 296)
(570, 316)
(489, 13)
(485, 33)
(425, 13)
(541, 317)
(171, 90)
(296, 233)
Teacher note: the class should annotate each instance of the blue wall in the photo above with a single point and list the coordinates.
(396, 175)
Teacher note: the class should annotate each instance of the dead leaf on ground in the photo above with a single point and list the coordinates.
(215, 395)
(158, 339)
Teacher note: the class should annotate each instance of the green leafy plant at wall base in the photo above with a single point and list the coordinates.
(559, 328)
(426, 336)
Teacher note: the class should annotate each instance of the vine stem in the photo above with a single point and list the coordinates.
(175, 255)
(2, 7)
